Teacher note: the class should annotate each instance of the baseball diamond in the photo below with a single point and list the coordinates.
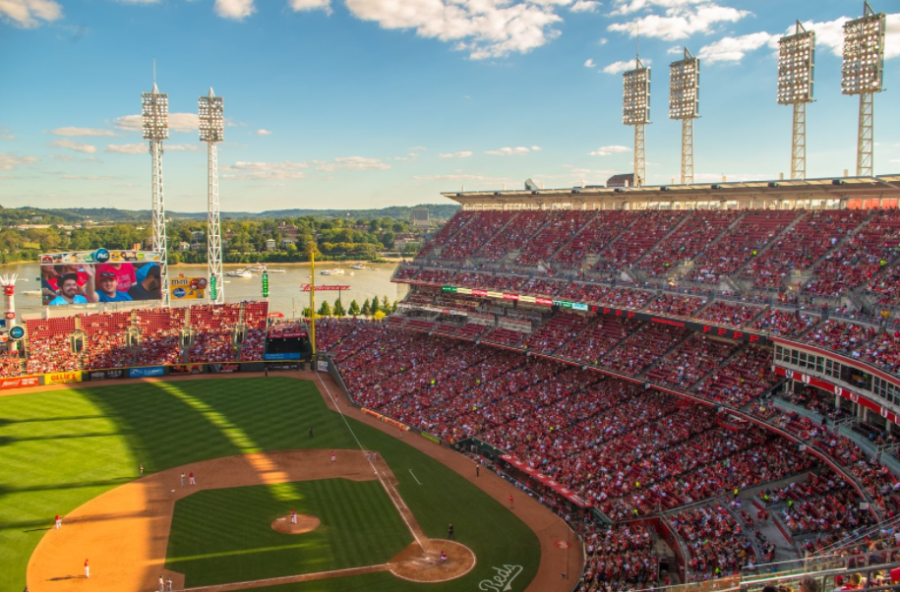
(77, 452)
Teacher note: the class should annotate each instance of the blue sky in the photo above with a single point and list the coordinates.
(370, 103)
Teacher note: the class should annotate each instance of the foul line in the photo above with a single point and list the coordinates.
(322, 575)
(362, 449)
(414, 477)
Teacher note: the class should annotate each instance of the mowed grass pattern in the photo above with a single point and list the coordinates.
(59, 449)
(360, 527)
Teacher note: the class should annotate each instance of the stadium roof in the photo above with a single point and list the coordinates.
(757, 193)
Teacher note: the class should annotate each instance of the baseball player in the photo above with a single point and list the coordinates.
(191, 477)
(333, 456)
(443, 557)
(141, 469)
(450, 532)
(162, 584)
(87, 569)
(169, 586)
(293, 516)
(182, 479)
(510, 501)
(58, 522)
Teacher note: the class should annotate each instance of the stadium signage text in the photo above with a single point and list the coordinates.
(618, 312)
(503, 580)
(145, 372)
(20, 381)
(62, 377)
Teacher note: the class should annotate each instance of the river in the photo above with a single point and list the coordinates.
(284, 288)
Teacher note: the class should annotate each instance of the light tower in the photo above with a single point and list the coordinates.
(684, 104)
(212, 130)
(155, 111)
(636, 112)
(796, 65)
(861, 74)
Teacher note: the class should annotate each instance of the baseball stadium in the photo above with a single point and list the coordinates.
(617, 388)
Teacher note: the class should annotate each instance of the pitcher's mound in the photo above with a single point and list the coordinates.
(414, 565)
(305, 523)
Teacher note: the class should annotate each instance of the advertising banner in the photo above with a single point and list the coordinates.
(105, 374)
(284, 356)
(62, 377)
(322, 366)
(19, 382)
(386, 419)
(187, 288)
(86, 277)
(145, 372)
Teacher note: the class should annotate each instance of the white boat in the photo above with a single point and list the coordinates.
(241, 273)
(335, 271)
(275, 270)
(359, 266)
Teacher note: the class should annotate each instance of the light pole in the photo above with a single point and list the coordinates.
(796, 66)
(636, 112)
(684, 104)
(212, 130)
(862, 74)
(155, 115)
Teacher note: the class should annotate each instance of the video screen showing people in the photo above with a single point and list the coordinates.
(77, 282)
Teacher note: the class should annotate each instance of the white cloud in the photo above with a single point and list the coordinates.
(589, 63)
(830, 34)
(682, 19)
(602, 41)
(81, 131)
(178, 122)
(460, 177)
(418, 149)
(624, 66)
(609, 150)
(262, 132)
(29, 13)
(10, 161)
(675, 50)
(303, 5)
(72, 145)
(733, 49)
(585, 6)
(351, 163)
(483, 28)
(88, 177)
(181, 147)
(507, 151)
(127, 148)
(234, 9)
(5, 135)
(278, 171)
(463, 154)
(717, 177)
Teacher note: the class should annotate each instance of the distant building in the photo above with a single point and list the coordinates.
(198, 235)
(288, 241)
(183, 246)
(420, 218)
(270, 244)
(623, 180)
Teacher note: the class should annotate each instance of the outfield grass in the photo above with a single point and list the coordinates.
(59, 449)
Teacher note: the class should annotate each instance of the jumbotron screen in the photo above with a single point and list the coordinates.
(103, 275)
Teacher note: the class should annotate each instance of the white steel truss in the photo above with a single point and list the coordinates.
(798, 142)
(864, 143)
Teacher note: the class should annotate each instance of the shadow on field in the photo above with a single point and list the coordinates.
(4, 421)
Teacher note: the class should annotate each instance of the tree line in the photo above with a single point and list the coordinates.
(370, 308)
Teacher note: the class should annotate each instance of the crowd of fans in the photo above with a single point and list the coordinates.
(619, 559)
(716, 542)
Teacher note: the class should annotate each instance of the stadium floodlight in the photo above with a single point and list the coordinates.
(212, 130)
(636, 112)
(796, 66)
(684, 104)
(155, 116)
(862, 74)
